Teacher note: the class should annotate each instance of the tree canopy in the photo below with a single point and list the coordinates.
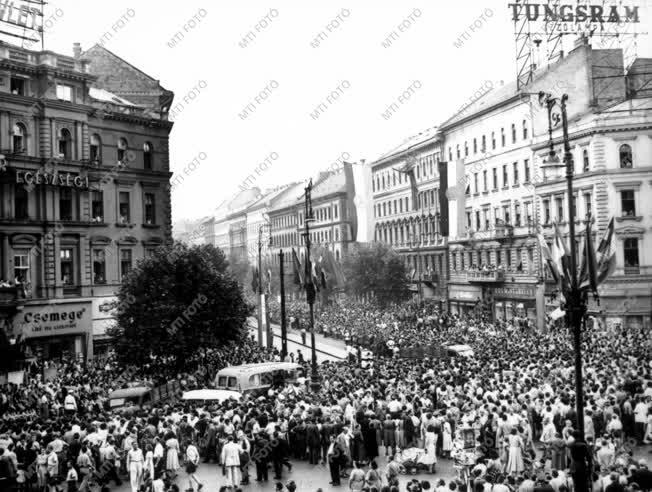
(377, 269)
(177, 301)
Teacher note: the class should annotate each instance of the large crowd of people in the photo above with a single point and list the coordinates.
(505, 417)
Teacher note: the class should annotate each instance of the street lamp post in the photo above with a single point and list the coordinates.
(268, 329)
(310, 288)
(575, 303)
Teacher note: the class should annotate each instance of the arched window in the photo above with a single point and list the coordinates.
(96, 148)
(65, 144)
(19, 138)
(122, 149)
(147, 155)
(626, 160)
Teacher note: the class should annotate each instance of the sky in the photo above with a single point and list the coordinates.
(266, 94)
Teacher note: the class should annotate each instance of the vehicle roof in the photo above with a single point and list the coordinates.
(127, 392)
(458, 347)
(244, 368)
(211, 394)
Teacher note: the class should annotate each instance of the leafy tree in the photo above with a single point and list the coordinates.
(240, 268)
(377, 269)
(175, 303)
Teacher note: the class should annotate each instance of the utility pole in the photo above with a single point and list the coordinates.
(260, 288)
(284, 329)
(310, 287)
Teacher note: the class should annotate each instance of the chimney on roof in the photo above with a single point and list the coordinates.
(76, 50)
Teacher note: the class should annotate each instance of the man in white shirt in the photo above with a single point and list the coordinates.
(640, 419)
(70, 404)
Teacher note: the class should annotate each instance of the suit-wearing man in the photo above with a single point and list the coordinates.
(313, 440)
(230, 458)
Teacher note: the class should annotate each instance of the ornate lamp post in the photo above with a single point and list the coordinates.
(575, 302)
(310, 287)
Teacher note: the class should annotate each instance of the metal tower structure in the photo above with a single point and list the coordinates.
(555, 38)
(524, 51)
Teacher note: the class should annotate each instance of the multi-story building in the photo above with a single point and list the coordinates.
(612, 154)
(499, 195)
(335, 217)
(411, 224)
(84, 192)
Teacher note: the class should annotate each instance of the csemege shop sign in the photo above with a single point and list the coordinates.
(589, 13)
(51, 178)
(55, 319)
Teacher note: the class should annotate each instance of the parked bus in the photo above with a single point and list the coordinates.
(258, 378)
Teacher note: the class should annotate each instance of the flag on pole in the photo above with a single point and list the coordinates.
(254, 279)
(297, 269)
(589, 271)
(547, 256)
(408, 169)
(334, 269)
(561, 257)
(606, 257)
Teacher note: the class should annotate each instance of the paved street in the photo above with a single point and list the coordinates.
(327, 348)
(307, 477)
(311, 477)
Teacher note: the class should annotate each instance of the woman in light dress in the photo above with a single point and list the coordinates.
(447, 439)
(172, 461)
(430, 445)
(42, 469)
(515, 448)
(149, 462)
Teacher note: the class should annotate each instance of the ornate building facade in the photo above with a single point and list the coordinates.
(411, 224)
(84, 183)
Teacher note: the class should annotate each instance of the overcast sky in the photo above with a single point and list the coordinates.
(296, 55)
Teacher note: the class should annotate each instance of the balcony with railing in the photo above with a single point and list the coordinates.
(11, 296)
(481, 276)
(432, 278)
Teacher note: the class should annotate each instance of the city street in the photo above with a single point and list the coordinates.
(460, 190)
(327, 348)
(307, 477)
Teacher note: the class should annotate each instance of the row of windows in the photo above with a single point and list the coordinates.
(523, 259)
(412, 234)
(285, 221)
(426, 263)
(18, 86)
(482, 147)
(481, 220)
(65, 145)
(69, 265)
(69, 205)
(425, 167)
(296, 239)
(425, 199)
(480, 181)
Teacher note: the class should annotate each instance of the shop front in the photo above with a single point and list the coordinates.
(622, 306)
(56, 329)
(104, 317)
(515, 302)
(464, 299)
